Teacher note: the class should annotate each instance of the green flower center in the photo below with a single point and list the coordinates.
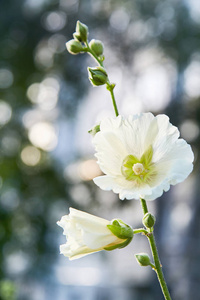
(139, 170)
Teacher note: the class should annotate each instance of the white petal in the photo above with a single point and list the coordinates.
(78, 253)
(110, 124)
(89, 222)
(166, 137)
(110, 152)
(94, 231)
(95, 241)
(133, 133)
(123, 187)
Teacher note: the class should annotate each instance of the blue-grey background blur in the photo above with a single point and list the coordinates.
(47, 105)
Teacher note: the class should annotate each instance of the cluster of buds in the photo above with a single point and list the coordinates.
(76, 45)
(79, 44)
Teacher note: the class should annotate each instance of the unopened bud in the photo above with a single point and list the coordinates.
(77, 37)
(94, 130)
(96, 46)
(148, 220)
(74, 47)
(81, 32)
(143, 259)
(97, 76)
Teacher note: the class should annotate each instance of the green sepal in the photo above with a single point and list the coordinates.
(120, 229)
(94, 130)
(119, 246)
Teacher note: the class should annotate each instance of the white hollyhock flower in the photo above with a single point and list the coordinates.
(141, 156)
(86, 234)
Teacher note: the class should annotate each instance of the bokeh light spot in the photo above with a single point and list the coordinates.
(44, 94)
(88, 170)
(192, 79)
(6, 78)
(119, 20)
(189, 130)
(30, 156)
(54, 21)
(5, 112)
(43, 135)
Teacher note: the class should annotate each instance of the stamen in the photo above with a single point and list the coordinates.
(138, 168)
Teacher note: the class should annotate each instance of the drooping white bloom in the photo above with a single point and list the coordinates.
(141, 156)
(87, 233)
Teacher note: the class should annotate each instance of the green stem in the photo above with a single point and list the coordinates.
(154, 251)
(144, 206)
(140, 230)
(87, 49)
(158, 267)
(110, 86)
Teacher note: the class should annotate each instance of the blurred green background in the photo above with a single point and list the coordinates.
(47, 105)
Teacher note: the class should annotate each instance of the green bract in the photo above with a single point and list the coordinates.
(122, 231)
(139, 170)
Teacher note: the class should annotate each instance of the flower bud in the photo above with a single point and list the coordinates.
(94, 130)
(148, 220)
(77, 37)
(143, 259)
(87, 234)
(97, 76)
(74, 47)
(81, 32)
(96, 46)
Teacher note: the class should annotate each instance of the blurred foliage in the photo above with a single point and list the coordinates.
(33, 35)
(7, 290)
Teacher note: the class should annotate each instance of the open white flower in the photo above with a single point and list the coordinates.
(141, 156)
(86, 234)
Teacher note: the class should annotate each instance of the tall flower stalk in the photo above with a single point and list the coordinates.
(141, 156)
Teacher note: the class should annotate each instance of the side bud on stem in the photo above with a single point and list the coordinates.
(97, 47)
(143, 259)
(81, 33)
(148, 220)
(98, 76)
(74, 47)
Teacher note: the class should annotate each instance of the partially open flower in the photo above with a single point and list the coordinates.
(141, 156)
(87, 234)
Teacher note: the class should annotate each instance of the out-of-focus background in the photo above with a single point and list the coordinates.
(47, 163)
